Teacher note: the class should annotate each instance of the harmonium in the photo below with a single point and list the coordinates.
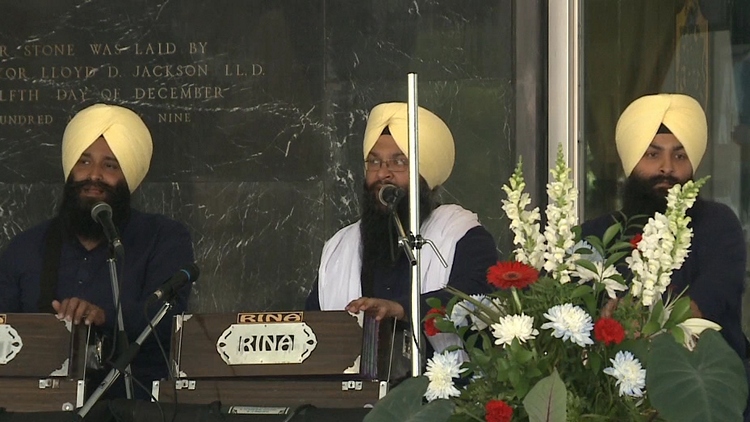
(274, 361)
(42, 361)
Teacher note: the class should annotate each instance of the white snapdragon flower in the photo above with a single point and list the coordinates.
(561, 218)
(509, 327)
(570, 322)
(630, 375)
(523, 223)
(665, 244)
(441, 369)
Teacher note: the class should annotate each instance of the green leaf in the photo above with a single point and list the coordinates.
(434, 302)
(615, 258)
(680, 312)
(622, 245)
(708, 384)
(656, 313)
(404, 403)
(595, 362)
(651, 327)
(547, 400)
(611, 232)
(585, 263)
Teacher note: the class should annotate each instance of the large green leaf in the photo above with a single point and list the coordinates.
(547, 400)
(404, 403)
(708, 384)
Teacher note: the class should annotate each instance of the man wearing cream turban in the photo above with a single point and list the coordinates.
(661, 140)
(362, 268)
(60, 265)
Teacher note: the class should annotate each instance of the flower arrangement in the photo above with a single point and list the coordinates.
(563, 337)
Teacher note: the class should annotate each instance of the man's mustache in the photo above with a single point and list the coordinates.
(83, 184)
(663, 179)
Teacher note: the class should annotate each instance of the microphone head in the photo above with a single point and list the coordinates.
(192, 272)
(389, 195)
(100, 209)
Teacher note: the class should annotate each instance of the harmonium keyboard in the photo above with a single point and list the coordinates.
(272, 361)
(42, 361)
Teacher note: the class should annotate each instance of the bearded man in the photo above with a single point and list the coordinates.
(362, 268)
(60, 266)
(661, 140)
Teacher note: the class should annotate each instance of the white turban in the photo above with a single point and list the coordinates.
(640, 121)
(125, 133)
(436, 149)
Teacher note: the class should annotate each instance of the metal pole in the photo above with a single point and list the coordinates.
(416, 270)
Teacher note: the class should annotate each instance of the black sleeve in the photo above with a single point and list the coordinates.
(312, 303)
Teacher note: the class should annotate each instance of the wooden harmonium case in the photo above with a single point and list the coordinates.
(328, 359)
(42, 361)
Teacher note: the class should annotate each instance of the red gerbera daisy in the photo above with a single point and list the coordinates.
(511, 274)
(635, 239)
(497, 411)
(429, 323)
(608, 331)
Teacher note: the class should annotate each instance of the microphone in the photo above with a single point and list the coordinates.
(101, 212)
(186, 275)
(389, 195)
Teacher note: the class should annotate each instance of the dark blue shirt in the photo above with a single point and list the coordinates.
(155, 249)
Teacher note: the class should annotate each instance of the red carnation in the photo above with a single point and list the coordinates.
(497, 411)
(429, 323)
(608, 331)
(511, 274)
(635, 239)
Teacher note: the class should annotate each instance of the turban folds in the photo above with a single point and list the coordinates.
(436, 149)
(125, 133)
(640, 121)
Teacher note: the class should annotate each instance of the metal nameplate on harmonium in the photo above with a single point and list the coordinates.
(42, 363)
(262, 344)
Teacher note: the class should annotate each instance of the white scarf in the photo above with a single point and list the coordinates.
(339, 279)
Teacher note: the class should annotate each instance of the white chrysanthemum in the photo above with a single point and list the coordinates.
(630, 375)
(441, 369)
(570, 323)
(514, 326)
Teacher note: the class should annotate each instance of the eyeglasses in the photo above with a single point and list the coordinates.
(395, 165)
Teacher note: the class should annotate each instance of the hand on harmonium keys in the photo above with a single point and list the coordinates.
(78, 310)
(379, 308)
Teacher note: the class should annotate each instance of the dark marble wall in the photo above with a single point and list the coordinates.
(257, 109)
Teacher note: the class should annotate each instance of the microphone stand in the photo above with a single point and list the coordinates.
(124, 360)
(121, 339)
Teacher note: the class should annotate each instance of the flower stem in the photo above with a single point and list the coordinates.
(516, 299)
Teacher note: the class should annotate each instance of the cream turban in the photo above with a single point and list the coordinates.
(436, 150)
(640, 121)
(125, 133)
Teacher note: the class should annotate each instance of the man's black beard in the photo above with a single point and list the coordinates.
(75, 210)
(640, 198)
(379, 235)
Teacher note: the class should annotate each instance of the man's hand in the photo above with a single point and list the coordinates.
(696, 313)
(382, 308)
(75, 309)
(609, 308)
